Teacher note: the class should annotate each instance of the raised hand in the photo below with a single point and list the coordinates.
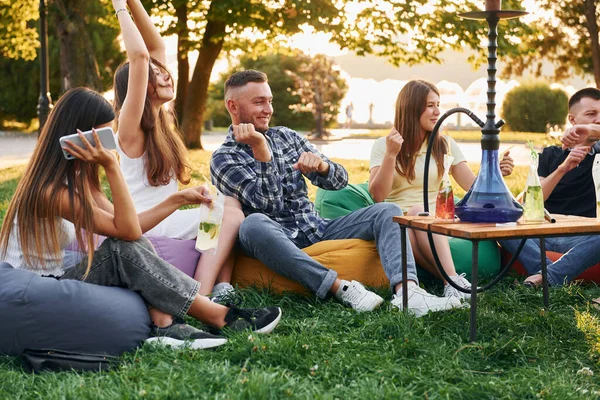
(575, 135)
(576, 155)
(245, 133)
(89, 153)
(393, 142)
(194, 195)
(506, 164)
(310, 162)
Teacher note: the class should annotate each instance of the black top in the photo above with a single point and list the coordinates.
(574, 194)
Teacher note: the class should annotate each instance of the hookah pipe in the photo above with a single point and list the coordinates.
(490, 139)
(436, 258)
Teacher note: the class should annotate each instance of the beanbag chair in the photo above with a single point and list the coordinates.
(68, 315)
(351, 258)
(488, 260)
(591, 274)
(182, 254)
(336, 203)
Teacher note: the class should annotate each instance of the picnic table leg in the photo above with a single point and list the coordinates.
(544, 271)
(404, 268)
(474, 262)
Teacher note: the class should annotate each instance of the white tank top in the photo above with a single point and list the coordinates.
(47, 264)
(182, 224)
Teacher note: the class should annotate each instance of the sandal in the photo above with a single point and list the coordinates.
(595, 303)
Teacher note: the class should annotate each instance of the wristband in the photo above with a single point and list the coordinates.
(119, 10)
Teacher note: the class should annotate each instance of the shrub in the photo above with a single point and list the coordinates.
(530, 107)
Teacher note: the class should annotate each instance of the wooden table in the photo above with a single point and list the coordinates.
(565, 225)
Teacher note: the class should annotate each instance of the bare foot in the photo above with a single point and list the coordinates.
(533, 281)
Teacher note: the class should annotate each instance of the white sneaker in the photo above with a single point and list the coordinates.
(355, 295)
(460, 280)
(420, 302)
(222, 293)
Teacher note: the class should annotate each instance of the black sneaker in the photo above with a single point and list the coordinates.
(179, 335)
(260, 320)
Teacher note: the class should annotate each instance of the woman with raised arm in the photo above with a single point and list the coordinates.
(59, 200)
(153, 157)
(397, 167)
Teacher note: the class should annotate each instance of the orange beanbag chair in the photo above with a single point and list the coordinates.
(591, 274)
(351, 258)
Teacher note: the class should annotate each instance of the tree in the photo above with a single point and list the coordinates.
(531, 107)
(567, 32)
(321, 89)
(18, 31)
(81, 37)
(402, 31)
(86, 32)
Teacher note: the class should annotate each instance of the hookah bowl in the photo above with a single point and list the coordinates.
(489, 200)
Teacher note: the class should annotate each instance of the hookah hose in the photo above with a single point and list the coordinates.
(436, 258)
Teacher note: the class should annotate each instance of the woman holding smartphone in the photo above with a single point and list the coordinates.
(153, 157)
(397, 166)
(58, 201)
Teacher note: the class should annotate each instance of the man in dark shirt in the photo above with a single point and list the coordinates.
(574, 194)
(265, 169)
(568, 186)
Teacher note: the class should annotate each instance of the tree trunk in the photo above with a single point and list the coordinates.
(195, 102)
(78, 63)
(319, 128)
(592, 26)
(319, 124)
(183, 64)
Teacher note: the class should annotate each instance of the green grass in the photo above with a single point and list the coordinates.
(538, 139)
(323, 350)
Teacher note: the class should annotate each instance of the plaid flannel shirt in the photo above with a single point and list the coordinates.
(275, 188)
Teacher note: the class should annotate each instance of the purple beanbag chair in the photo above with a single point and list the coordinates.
(182, 254)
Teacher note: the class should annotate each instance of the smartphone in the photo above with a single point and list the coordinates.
(106, 135)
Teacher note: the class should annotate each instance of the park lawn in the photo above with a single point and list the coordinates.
(323, 350)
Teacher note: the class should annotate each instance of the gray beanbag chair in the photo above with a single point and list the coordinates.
(68, 315)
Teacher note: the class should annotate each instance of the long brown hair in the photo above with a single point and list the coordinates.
(164, 151)
(36, 202)
(410, 105)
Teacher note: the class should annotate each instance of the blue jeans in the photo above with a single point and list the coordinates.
(265, 240)
(579, 254)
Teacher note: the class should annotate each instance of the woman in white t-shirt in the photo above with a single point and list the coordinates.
(397, 167)
(153, 157)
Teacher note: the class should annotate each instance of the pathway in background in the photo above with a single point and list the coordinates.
(16, 150)
(360, 149)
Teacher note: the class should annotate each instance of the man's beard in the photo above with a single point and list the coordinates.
(261, 130)
(245, 119)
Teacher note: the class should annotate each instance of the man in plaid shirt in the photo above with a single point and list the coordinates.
(264, 169)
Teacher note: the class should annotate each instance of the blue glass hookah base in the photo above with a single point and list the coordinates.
(489, 200)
